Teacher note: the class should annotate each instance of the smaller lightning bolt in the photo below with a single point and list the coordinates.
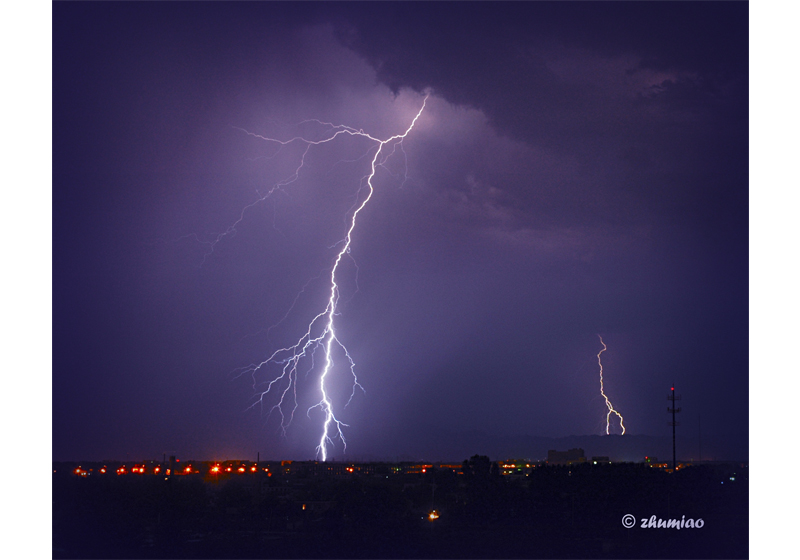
(608, 402)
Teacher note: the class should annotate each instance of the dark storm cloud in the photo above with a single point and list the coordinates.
(643, 94)
(579, 169)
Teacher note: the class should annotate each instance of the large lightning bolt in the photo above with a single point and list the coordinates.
(608, 402)
(321, 331)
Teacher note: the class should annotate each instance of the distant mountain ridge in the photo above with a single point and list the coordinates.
(452, 446)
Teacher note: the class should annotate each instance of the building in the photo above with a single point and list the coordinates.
(565, 457)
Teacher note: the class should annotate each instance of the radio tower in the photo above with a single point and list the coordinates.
(673, 397)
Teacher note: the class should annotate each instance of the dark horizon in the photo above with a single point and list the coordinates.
(628, 448)
(476, 509)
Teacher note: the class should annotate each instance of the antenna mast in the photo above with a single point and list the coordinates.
(672, 409)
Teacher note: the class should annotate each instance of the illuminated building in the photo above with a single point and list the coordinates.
(517, 468)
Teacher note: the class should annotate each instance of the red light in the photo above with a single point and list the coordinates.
(673, 388)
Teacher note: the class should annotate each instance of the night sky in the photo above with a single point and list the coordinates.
(578, 170)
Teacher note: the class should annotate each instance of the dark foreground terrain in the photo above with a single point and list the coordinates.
(553, 512)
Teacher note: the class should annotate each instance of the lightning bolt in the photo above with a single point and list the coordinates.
(608, 402)
(321, 332)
